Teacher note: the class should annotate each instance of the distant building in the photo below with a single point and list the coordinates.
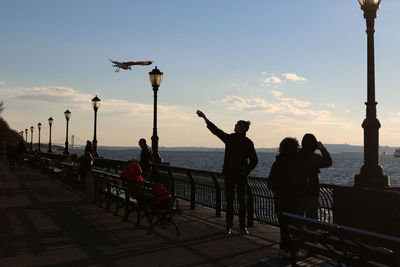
(72, 141)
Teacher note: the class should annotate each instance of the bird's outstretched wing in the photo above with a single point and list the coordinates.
(115, 62)
(142, 63)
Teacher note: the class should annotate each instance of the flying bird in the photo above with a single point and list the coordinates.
(127, 65)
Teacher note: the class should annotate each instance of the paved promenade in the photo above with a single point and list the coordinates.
(43, 224)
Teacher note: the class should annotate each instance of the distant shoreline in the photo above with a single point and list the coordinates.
(332, 148)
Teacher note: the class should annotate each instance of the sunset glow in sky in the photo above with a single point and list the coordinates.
(290, 67)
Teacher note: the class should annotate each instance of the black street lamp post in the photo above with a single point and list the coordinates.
(155, 79)
(67, 115)
(32, 138)
(39, 125)
(95, 104)
(50, 124)
(26, 135)
(371, 173)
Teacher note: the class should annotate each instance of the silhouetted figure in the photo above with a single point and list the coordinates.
(282, 181)
(20, 150)
(89, 148)
(240, 159)
(2, 150)
(11, 154)
(310, 163)
(145, 157)
(86, 160)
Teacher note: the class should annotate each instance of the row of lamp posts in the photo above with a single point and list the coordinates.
(155, 79)
(67, 115)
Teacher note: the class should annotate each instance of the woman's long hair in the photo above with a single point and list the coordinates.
(288, 148)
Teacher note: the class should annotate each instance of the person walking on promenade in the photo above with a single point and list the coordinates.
(240, 159)
(89, 149)
(145, 157)
(86, 160)
(21, 150)
(307, 203)
(282, 181)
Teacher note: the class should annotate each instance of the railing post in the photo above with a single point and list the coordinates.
(250, 207)
(192, 191)
(217, 197)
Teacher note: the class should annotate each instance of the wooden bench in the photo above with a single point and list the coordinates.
(343, 244)
(111, 189)
(71, 177)
(156, 213)
(51, 167)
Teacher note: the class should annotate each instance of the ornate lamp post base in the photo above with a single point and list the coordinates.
(66, 150)
(372, 178)
(154, 144)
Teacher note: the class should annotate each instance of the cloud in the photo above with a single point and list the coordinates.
(394, 118)
(274, 81)
(284, 110)
(331, 105)
(53, 94)
(284, 105)
(138, 109)
(249, 104)
(293, 77)
(2, 83)
(270, 80)
(74, 98)
(276, 93)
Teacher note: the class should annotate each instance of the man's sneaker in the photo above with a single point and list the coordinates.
(244, 231)
(228, 230)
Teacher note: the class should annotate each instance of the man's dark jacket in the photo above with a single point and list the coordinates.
(240, 155)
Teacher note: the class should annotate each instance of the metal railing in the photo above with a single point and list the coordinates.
(208, 189)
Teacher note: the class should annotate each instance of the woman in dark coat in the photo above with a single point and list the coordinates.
(282, 180)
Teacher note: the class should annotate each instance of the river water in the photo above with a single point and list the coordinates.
(345, 165)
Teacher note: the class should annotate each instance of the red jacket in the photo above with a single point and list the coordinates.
(133, 173)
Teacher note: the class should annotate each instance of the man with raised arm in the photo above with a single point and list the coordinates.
(240, 159)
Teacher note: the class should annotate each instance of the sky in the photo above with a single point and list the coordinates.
(290, 67)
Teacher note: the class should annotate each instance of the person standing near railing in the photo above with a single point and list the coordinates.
(145, 157)
(85, 165)
(240, 159)
(282, 180)
(307, 202)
